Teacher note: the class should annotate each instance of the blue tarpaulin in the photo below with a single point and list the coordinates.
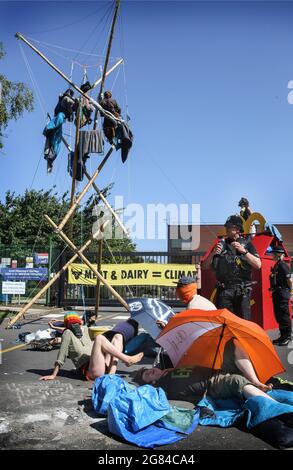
(225, 413)
(141, 415)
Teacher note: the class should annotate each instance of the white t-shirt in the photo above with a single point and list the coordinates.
(201, 303)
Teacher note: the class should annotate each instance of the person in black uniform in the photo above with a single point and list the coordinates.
(233, 261)
(281, 285)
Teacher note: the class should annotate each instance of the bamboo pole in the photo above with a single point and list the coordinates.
(71, 83)
(74, 169)
(117, 6)
(100, 248)
(85, 189)
(120, 61)
(100, 194)
(51, 282)
(86, 261)
(98, 285)
(107, 58)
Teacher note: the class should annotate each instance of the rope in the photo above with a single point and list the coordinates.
(115, 79)
(155, 162)
(80, 20)
(39, 97)
(78, 51)
(116, 262)
(34, 83)
(122, 46)
(107, 14)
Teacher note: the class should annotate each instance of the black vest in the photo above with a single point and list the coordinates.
(230, 266)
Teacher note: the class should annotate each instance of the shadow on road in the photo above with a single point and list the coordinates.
(63, 373)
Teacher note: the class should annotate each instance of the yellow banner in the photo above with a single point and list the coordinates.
(135, 274)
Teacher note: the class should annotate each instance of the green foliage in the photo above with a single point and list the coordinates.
(15, 99)
(23, 228)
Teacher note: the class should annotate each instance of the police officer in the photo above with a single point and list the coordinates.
(233, 260)
(281, 285)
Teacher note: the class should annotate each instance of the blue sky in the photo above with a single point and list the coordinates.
(206, 85)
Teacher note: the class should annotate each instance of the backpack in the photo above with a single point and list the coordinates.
(42, 345)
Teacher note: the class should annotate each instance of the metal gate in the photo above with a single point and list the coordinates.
(83, 295)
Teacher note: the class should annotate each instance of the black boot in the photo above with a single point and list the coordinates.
(284, 341)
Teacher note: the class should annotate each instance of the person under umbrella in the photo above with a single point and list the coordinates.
(199, 338)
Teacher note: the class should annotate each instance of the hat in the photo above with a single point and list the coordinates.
(71, 318)
(107, 94)
(278, 249)
(234, 221)
(185, 281)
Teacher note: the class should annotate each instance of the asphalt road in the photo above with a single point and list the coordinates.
(59, 415)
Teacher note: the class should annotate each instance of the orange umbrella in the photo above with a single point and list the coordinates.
(198, 338)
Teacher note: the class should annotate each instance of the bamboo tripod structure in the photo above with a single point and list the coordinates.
(100, 243)
(58, 229)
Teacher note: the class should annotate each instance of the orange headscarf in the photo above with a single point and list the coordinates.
(186, 293)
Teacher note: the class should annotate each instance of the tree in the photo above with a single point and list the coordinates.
(15, 98)
(24, 230)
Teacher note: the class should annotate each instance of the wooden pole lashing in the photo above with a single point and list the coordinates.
(85, 189)
(71, 83)
(86, 261)
(51, 281)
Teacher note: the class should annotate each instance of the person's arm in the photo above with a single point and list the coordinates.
(254, 261)
(217, 250)
(57, 328)
(54, 374)
(245, 251)
(287, 273)
(61, 358)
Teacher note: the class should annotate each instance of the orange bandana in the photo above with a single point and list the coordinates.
(185, 293)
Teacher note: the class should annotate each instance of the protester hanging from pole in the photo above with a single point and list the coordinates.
(86, 106)
(64, 109)
(111, 105)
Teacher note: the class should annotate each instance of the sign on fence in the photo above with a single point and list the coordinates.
(5, 261)
(29, 262)
(143, 274)
(41, 258)
(10, 287)
(23, 274)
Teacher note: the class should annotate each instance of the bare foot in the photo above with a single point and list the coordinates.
(133, 359)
